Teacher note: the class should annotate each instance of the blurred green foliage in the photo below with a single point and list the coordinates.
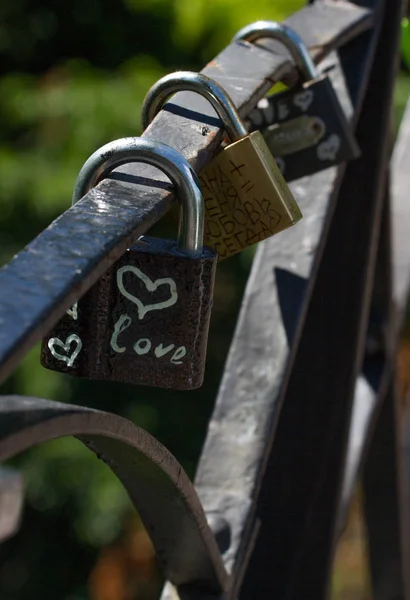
(72, 77)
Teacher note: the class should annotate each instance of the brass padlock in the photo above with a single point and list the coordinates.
(246, 198)
(146, 320)
(304, 127)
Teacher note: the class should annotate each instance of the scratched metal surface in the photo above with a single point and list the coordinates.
(267, 335)
(156, 483)
(45, 278)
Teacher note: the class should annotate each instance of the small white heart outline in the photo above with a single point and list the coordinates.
(303, 99)
(151, 287)
(66, 346)
(324, 153)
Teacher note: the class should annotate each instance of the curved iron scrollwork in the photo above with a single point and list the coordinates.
(155, 481)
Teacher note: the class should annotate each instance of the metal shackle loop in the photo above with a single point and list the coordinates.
(165, 158)
(288, 37)
(201, 84)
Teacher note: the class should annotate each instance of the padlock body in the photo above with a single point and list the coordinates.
(246, 197)
(305, 128)
(147, 320)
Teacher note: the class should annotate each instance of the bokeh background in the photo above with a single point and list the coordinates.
(72, 77)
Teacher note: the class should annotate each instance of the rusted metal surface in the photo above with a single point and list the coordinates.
(154, 480)
(48, 276)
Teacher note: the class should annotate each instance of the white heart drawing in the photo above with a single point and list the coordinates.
(69, 359)
(328, 149)
(151, 287)
(303, 100)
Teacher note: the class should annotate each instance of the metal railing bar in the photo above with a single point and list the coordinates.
(156, 483)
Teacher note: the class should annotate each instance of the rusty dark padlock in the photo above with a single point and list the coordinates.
(146, 320)
(304, 127)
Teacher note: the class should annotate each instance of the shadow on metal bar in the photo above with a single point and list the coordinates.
(155, 481)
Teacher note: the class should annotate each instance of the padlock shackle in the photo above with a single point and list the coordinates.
(165, 158)
(190, 81)
(288, 37)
